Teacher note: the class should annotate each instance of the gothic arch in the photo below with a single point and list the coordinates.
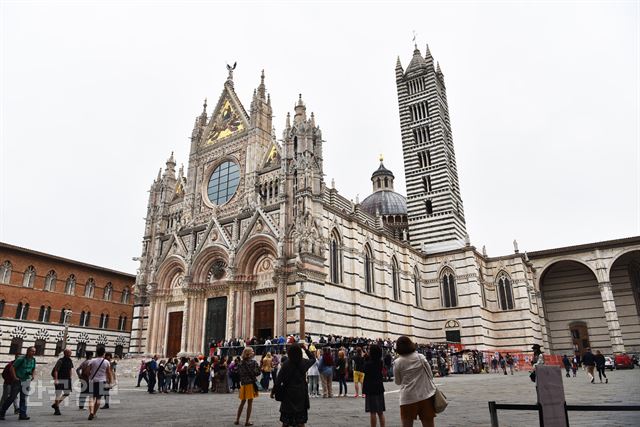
(254, 249)
(171, 266)
(617, 256)
(205, 259)
(550, 263)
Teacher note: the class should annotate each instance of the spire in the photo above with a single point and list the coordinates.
(427, 54)
(417, 61)
(288, 123)
(313, 120)
(171, 160)
(301, 111)
(438, 70)
(203, 115)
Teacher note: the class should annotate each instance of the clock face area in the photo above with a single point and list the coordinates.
(226, 123)
(223, 183)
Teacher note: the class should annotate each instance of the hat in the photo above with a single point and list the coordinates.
(535, 347)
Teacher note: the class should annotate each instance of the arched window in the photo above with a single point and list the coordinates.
(369, 277)
(59, 348)
(70, 286)
(119, 351)
(44, 314)
(85, 318)
(22, 311)
(1, 307)
(89, 288)
(449, 293)
(63, 314)
(5, 272)
(50, 281)
(122, 323)
(417, 287)
(29, 277)
(104, 321)
(335, 258)
(505, 292)
(16, 346)
(124, 299)
(395, 279)
(429, 206)
(108, 290)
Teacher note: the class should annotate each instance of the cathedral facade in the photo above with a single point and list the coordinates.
(251, 241)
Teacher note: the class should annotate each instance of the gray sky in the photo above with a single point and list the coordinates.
(543, 98)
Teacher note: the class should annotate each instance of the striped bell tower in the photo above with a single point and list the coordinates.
(434, 205)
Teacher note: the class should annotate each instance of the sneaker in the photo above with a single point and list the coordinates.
(593, 380)
(606, 380)
(90, 416)
(24, 418)
(57, 411)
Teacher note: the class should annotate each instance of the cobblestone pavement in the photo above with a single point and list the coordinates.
(468, 395)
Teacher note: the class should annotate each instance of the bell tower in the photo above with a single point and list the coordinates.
(434, 205)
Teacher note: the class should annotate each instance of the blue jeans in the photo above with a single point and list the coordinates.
(313, 384)
(342, 381)
(24, 395)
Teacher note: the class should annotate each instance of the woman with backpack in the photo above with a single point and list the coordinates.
(290, 387)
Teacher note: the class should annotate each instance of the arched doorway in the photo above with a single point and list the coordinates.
(624, 276)
(573, 309)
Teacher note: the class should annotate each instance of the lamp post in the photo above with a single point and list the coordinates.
(67, 317)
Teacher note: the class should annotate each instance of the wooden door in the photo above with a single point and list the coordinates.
(174, 334)
(580, 338)
(263, 318)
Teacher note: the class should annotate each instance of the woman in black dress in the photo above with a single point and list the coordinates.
(372, 387)
(291, 387)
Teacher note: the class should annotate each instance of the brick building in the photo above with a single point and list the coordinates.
(39, 292)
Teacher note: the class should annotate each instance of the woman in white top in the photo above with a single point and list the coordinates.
(413, 374)
(98, 374)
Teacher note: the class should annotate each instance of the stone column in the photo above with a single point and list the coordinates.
(301, 296)
(186, 308)
(611, 314)
(546, 338)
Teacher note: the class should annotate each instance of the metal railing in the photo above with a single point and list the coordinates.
(494, 407)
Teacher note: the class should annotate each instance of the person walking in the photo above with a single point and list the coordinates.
(326, 372)
(567, 364)
(413, 374)
(589, 362)
(112, 366)
(510, 362)
(61, 374)
(8, 376)
(313, 376)
(266, 367)
(373, 387)
(600, 360)
(142, 373)
(358, 370)
(341, 373)
(22, 369)
(84, 381)
(98, 371)
(291, 387)
(248, 370)
(503, 364)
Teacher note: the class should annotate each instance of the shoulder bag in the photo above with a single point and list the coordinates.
(439, 399)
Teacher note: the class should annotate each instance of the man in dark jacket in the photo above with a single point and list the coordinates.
(62, 379)
(588, 360)
(567, 364)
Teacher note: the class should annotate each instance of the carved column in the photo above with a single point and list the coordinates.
(301, 296)
(611, 314)
(546, 338)
(186, 309)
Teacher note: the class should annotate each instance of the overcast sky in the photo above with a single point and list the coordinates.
(543, 98)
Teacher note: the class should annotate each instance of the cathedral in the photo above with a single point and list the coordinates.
(251, 241)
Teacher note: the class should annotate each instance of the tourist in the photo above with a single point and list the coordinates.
(503, 364)
(169, 372)
(358, 370)
(152, 369)
(388, 364)
(9, 377)
(313, 376)
(566, 364)
(161, 376)
(291, 387)
(326, 372)
(275, 363)
(413, 374)
(192, 372)
(233, 374)
(373, 388)
(61, 374)
(510, 362)
(341, 373)
(221, 378)
(248, 370)
(589, 362)
(494, 365)
(600, 360)
(574, 366)
(183, 367)
(142, 373)
(22, 369)
(98, 372)
(266, 367)
(109, 357)
(204, 372)
(84, 381)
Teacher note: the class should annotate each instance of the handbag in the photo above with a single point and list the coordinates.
(439, 399)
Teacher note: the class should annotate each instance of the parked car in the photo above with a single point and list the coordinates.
(623, 361)
(609, 363)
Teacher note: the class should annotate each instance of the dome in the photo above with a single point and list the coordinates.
(385, 202)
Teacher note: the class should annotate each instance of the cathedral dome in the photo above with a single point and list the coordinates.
(384, 200)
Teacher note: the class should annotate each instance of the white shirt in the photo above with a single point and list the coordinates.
(410, 374)
(98, 372)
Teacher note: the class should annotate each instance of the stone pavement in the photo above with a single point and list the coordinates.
(468, 396)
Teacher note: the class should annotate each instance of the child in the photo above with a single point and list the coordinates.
(372, 387)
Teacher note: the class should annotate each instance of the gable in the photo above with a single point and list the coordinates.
(228, 119)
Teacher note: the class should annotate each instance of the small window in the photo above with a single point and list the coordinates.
(2, 303)
(40, 346)
(417, 289)
(505, 292)
(449, 293)
(16, 346)
(22, 311)
(59, 348)
(5, 272)
(29, 277)
(89, 288)
(108, 291)
(119, 351)
(50, 281)
(124, 299)
(70, 285)
(368, 270)
(395, 279)
(429, 206)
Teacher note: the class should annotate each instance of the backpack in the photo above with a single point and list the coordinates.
(148, 366)
(6, 372)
